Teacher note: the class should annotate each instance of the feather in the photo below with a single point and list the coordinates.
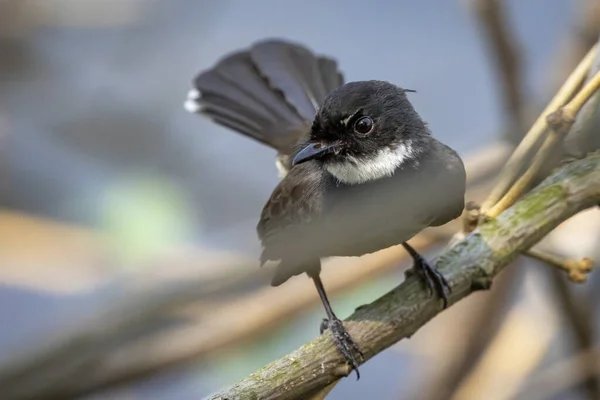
(269, 92)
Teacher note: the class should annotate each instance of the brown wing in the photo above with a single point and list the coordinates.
(291, 213)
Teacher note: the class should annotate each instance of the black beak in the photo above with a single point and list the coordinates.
(312, 151)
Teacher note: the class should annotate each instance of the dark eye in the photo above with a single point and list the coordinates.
(363, 125)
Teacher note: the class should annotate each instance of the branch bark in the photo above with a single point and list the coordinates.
(469, 265)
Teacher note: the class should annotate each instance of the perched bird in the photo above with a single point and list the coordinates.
(361, 171)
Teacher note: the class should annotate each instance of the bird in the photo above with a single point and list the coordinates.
(360, 170)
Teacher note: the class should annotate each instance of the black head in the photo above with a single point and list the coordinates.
(364, 125)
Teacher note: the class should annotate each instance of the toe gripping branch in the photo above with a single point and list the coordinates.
(434, 280)
(342, 339)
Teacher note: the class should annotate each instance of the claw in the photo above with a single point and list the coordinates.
(344, 343)
(324, 325)
(341, 337)
(435, 281)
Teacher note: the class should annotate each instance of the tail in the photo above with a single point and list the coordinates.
(269, 92)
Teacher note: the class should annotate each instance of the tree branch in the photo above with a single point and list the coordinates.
(518, 159)
(469, 265)
(560, 122)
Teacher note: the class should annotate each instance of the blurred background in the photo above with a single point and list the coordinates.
(127, 227)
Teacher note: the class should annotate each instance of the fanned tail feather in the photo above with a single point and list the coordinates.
(269, 92)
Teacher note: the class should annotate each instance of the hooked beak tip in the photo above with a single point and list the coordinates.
(312, 151)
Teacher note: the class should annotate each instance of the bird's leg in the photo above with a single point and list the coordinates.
(434, 280)
(341, 337)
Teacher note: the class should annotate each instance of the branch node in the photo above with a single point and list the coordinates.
(577, 270)
(481, 283)
(471, 217)
(561, 120)
(342, 370)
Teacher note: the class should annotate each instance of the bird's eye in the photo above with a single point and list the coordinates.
(363, 125)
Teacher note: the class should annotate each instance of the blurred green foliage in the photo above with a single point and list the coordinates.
(143, 216)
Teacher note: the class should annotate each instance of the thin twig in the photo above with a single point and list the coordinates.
(560, 121)
(576, 270)
(514, 165)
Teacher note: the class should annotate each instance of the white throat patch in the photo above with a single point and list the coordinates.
(384, 164)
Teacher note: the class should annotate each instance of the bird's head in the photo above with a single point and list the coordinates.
(364, 131)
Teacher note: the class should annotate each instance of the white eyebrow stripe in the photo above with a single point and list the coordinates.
(347, 119)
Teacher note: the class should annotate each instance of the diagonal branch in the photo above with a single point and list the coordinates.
(518, 159)
(560, 122)
(470, 265)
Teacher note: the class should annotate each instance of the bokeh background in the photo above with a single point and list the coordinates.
(110, 189)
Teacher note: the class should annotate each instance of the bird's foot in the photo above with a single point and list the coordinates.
(433, 278)
(344, 342)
